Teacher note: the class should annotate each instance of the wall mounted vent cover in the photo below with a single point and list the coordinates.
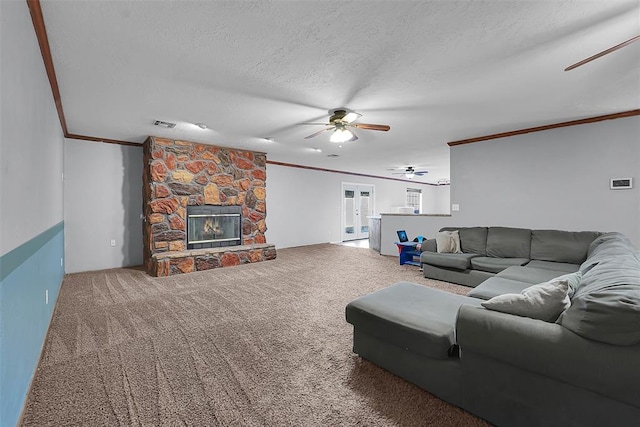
(168, 125)
(621, 183)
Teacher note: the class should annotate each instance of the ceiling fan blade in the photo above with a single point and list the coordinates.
(420, 173)
(323, 124)
(603, 53)
(318, 133)
(370, 126)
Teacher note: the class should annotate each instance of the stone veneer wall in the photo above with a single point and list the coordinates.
(181, 173)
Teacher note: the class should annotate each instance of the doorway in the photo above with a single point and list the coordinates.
(357, 205)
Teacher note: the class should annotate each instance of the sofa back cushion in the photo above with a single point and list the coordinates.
(505, 242)
(561, 246)
(606, 305)
(473, 240)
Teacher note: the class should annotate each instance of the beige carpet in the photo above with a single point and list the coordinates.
(262, 344)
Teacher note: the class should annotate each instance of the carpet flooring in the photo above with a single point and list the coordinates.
(262, 344)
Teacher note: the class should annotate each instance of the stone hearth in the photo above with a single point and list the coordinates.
(170, 263)
(178, 174)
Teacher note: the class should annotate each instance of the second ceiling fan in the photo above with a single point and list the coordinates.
(340, 122)
(410, 172)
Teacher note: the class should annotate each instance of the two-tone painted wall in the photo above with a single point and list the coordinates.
(31, 207)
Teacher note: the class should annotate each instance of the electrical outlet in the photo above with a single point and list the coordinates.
(113, 242)
(455, 207)
(61, 262)
(46, 296)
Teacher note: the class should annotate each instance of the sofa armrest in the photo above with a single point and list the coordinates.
(550, 350)
(429, 245)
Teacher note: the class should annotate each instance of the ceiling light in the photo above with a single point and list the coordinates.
(318, 150)
(409, 175)
(201, 125)
(349, 117)
(341, 135)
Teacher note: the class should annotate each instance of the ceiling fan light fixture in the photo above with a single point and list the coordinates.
(409, 175)
(351, 116)
(341, 135)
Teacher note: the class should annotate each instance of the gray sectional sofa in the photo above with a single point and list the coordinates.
(582, 369)
(488, 251)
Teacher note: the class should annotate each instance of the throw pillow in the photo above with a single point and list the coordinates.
(545, 301)
(448, 242)
(574, 280)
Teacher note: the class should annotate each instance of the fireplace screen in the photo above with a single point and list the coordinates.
(213, 226)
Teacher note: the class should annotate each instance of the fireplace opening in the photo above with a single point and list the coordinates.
(213, 226)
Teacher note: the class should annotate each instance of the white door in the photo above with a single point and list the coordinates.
(357, 205)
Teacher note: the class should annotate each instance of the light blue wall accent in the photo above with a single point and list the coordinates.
(24, 316)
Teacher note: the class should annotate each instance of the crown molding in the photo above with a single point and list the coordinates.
(595, 119)
(293, 165)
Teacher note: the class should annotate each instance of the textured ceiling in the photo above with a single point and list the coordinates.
(435, 71)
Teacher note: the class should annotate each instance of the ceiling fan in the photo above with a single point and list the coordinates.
(410, 172)
(603, 53)
(340, 121)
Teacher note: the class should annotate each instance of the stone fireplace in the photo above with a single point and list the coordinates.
(204, 207)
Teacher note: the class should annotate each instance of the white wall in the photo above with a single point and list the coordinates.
(31, 206)
(556, 179)
(438, 202)
(304, 206)
(103, 201)
(30, 135)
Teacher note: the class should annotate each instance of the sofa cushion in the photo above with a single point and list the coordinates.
(563, 267)
(538, 275)
(505, 242)
(544, 301)
(495, 286)
(606, 306)
(474, 240)
(411, 316)
(495, 265)
(561, 246)
(608, 244)
(457, 261)
(529, 274)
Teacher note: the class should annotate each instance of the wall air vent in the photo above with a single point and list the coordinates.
(168, 125)
(621, 183)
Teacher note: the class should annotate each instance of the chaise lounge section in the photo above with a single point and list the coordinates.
(579, 369)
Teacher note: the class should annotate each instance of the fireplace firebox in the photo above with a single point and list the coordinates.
(213, 226)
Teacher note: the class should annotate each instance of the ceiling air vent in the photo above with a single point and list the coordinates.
(164, 124)
(333, 155)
